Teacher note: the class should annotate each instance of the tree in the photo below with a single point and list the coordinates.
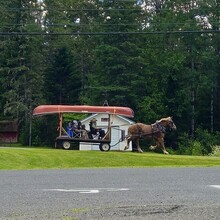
(119, 63)
(21, 61)
(69, 56)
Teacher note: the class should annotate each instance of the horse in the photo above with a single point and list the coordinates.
(154, 131)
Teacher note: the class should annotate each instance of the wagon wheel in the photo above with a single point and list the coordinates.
(66, 145)
(104, 147)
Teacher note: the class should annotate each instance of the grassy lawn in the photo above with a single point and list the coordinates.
(38, 158)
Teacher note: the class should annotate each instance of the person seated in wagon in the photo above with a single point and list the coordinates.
(82, 130)
(72, 129)
(78, 130)
(94, 129)
(69, 129)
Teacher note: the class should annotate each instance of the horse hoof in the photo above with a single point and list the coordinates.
(165, 152)
(126, 148)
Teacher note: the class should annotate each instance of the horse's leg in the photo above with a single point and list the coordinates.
(162, 146)
(133, 146)
(138, 146)
(128, 141)
(153, 147)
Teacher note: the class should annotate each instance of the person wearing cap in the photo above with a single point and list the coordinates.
(94, 129)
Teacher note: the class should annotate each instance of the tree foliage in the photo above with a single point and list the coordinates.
(158, 57)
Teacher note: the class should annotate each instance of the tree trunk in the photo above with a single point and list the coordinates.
(192, 101)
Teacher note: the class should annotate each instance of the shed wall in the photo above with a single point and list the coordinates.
(118, 124)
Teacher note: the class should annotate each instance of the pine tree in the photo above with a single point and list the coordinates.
(21, 60)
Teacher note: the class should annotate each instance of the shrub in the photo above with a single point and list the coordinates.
(197, 148)
(184, 144)
(200, 145)
(215, 151)
(206, 139)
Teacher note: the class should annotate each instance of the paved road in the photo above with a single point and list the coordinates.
(119, 194)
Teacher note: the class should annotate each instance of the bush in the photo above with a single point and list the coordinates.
(184, 144)
(197, 148)
(215, 151)
(206, 139)
(24, 136)
(200, 145)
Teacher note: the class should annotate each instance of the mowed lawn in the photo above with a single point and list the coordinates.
(35, 158)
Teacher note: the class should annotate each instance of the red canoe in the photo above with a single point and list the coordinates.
(52, 109)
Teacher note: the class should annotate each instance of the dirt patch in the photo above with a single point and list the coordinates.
(125, 212)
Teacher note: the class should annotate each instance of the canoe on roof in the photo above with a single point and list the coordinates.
(53, 109)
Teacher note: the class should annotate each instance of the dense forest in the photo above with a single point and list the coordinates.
(159, 57)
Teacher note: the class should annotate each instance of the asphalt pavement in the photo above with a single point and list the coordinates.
(119, 194)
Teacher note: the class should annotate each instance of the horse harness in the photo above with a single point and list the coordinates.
(155, 128)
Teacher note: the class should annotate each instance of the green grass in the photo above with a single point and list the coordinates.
(37, 158)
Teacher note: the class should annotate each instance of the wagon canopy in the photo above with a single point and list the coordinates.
(52, 109)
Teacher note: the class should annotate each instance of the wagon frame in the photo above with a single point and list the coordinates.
(64, 140)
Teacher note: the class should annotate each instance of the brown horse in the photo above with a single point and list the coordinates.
(155, 131)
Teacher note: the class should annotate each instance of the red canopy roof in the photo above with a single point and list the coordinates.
(51, 109)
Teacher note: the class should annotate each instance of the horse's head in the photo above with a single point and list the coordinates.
(168, 123)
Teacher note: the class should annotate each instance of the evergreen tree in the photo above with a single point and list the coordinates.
(119, 63)
(21, 61)
(69, 56)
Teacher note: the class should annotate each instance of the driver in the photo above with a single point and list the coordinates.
(94, 129)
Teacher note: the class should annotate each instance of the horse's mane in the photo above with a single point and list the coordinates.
(165, 119)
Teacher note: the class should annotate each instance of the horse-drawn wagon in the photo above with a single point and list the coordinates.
(64, 139)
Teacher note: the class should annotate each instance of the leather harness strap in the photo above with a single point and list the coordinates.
(155, 128)
(139, 130)
(158, 127)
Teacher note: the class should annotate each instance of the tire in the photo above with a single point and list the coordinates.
(104, 147)
(66, 145)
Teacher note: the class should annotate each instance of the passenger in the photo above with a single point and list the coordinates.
(81, 128)
(76, 132)
(94, 129)
(69, 129)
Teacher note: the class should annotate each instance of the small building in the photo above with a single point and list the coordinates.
(119, 129)
(9, 131)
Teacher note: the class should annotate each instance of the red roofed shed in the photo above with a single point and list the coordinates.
(8, 131)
